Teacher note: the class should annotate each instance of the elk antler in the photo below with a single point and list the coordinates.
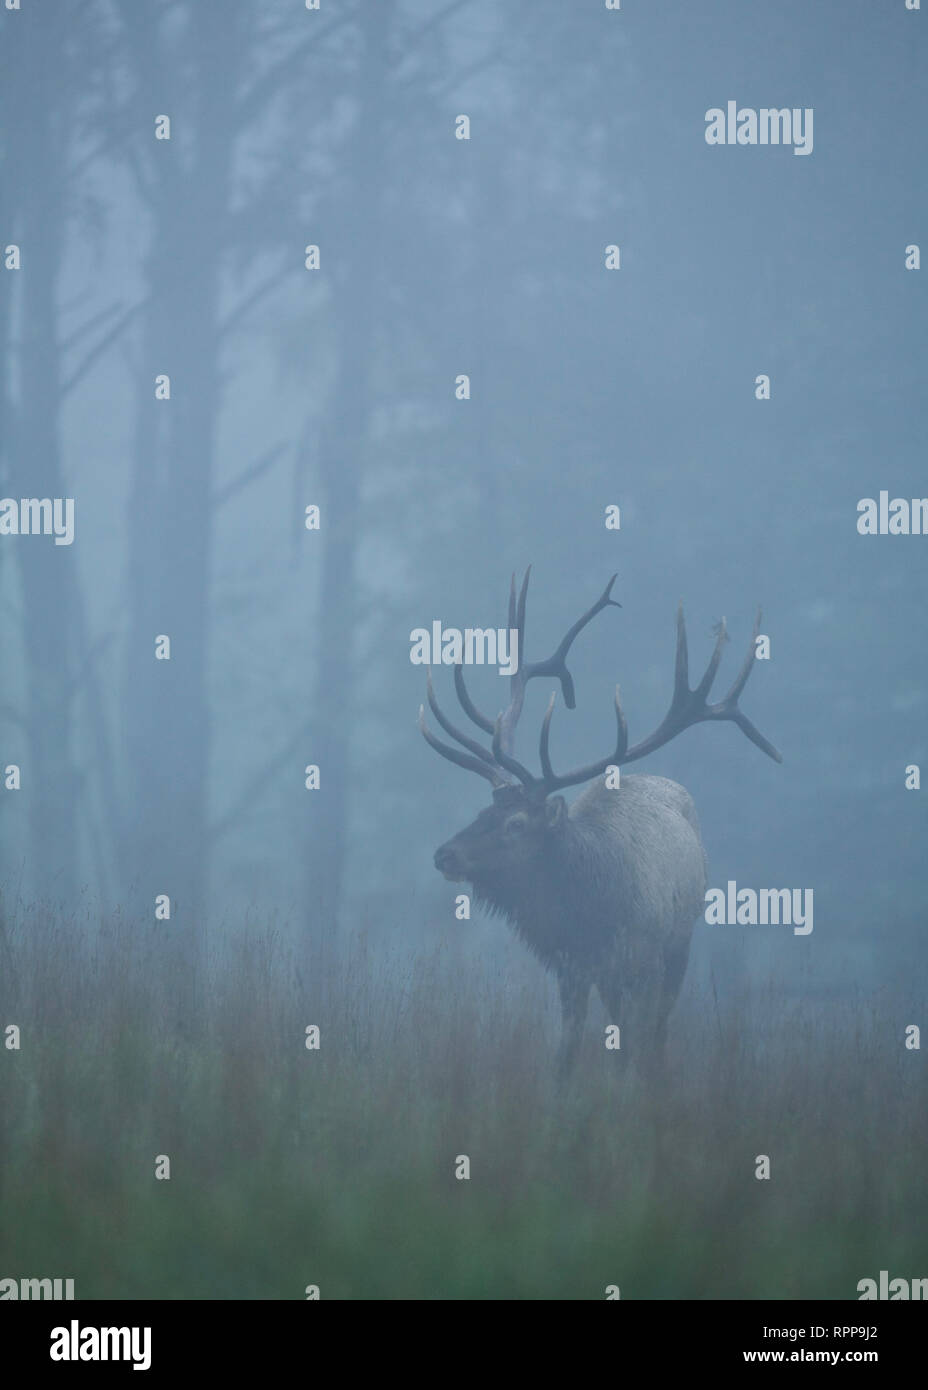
(687, 707)
(481, 762)
(503, 727)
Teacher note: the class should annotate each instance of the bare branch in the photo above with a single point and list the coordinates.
(241, 309)
(266, 461)
(93, 322)
(257, 784)
(250, 103)
(95, 353)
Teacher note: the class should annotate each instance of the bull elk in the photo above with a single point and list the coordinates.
(604, 892)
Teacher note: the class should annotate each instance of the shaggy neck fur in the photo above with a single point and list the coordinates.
(547, 901)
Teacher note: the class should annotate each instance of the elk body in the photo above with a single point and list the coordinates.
(605, 892)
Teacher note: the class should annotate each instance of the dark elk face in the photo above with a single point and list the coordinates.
(517, 831)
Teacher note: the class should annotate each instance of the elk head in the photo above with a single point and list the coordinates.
(527, 817)
(515, 831)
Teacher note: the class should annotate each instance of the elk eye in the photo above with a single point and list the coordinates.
(516, 825)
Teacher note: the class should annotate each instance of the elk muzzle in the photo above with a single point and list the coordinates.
(449, 862)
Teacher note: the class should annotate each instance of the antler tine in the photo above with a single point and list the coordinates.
(510, 716)
(681, 668)
(486, 770)
(727, 708)
(705, 685)
(741, 679)
(584, 774)
(520, 612)
(467, 704)
(449, 728)
(690, 706)
(507, 761)
(753, 733)
(516, 683)
(556, 664)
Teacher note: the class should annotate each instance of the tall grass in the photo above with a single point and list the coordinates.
(336, 1167)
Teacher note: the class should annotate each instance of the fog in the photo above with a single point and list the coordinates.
(463, 277)
(337, 387)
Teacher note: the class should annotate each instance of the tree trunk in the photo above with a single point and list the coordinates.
(48, 570)
(344, 445)
(171, 512)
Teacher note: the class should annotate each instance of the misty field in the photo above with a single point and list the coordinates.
(335, 1167)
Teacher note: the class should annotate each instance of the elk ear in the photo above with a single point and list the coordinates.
(555, 812)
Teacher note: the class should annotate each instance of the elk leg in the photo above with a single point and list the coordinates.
(575, 993)
(632, 994)
(675, 962)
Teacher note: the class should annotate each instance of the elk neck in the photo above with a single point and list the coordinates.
(543, 900)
